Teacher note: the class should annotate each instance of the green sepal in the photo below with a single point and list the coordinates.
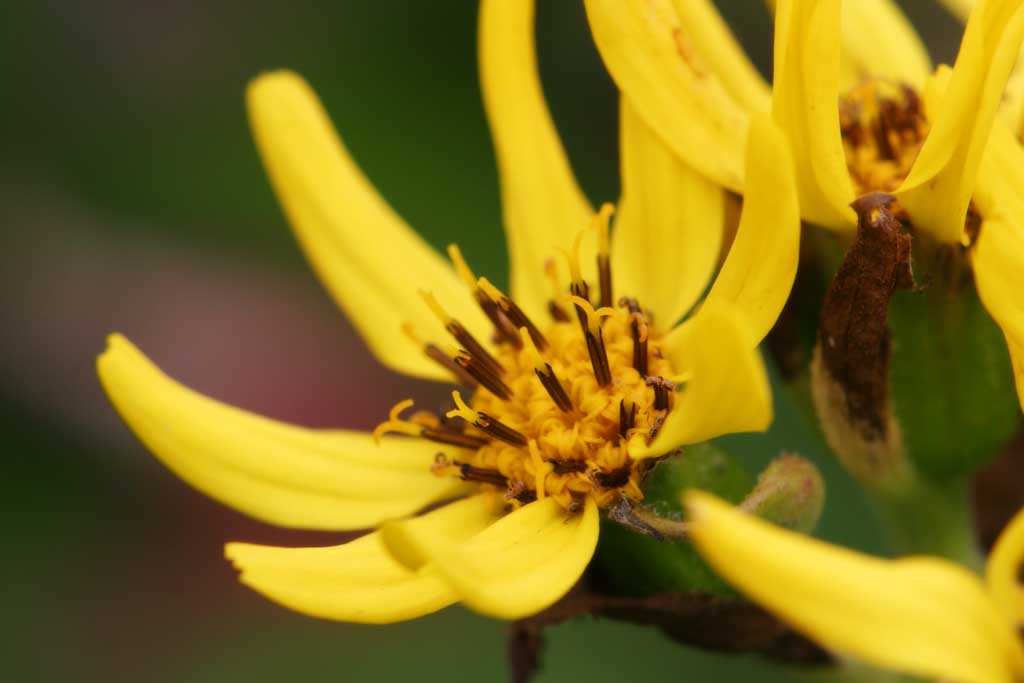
(635, 564)
(951, 379)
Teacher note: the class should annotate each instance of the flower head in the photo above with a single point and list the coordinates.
(919, 615)
(571, 382)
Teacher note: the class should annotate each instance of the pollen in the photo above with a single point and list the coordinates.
(883, 126)
(550, 408)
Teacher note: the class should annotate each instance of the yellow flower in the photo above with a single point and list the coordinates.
(921, 616)
(936, 139)
(579, 378)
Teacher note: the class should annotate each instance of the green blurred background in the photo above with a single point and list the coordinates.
(133, 200)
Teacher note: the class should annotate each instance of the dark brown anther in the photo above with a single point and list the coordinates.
(575, 505)
(453, 438)
(483, 374)
(598, 356)
(504, 330)
(567, 465)
(655, 428)
(469, 342)
(499, 430)
(638, 327)
(613, 479)
(519, 491)
(663, 389)
(444, 360)
(582, 290)
(554, 388)
(627, 417)
(558, 313)
(515, 315)
(483, 475)
(604, 279)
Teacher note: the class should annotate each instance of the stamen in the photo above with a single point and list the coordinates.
(655, 428)
(503, 329)
(482, 474)
(612, 480)
(627, 417)
(541, 470)
(595, 339)
(604, 267)
(396, 425)
(513, 312)
(462, 335)
(484, 374)
(567, 465)
(546, 375)
(557, 312)
(485, 422)
(577, 285)
(638, 326)
(663, 389)
(434, 353)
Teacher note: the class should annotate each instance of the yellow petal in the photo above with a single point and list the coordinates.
(761, 266)
(671, 86)
(961, 9)
(276, 472)
(516, 567)
(701, 26)
(542, 205)
(998, 263)
(366, 256)
(804, 105)
(669, 226)
(358, 581)
(894, 51)
(728, 389)
(938, 189)
(1003, 570)
(920, 616)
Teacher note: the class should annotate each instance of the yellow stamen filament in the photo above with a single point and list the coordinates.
(541, 470)
(539, 364)
(395, 424)
(461, 267)
(435, 307)
(593, 316)
(461, 410)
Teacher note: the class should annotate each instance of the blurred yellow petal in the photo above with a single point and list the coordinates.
(1003, 571)
(960, 9)
(669, 226)
(998, 264)
(761, 265)
(276, 472)
(938, 189)
(894, 50)
(358, 581)
(702, 26)
(671, 86)
(920, 616)
(806, 92)
(366, 256)
(542, 205)
(727, 390)
(516, 567)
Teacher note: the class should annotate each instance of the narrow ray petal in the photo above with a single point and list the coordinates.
(920, 616)
(703, 27)
(880, 42)
(358, 581)
(276, 472)
(761, 266)
(669, 227)
(516, 567)
(938, 189)
(542, 205)
(727, 389)
(366, 256)
(1004, 567)
(998, 264)
(671, 86)
(806, 90)
(961, 9)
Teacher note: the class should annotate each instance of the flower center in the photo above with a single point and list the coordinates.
(552, 410)
(883, 126)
